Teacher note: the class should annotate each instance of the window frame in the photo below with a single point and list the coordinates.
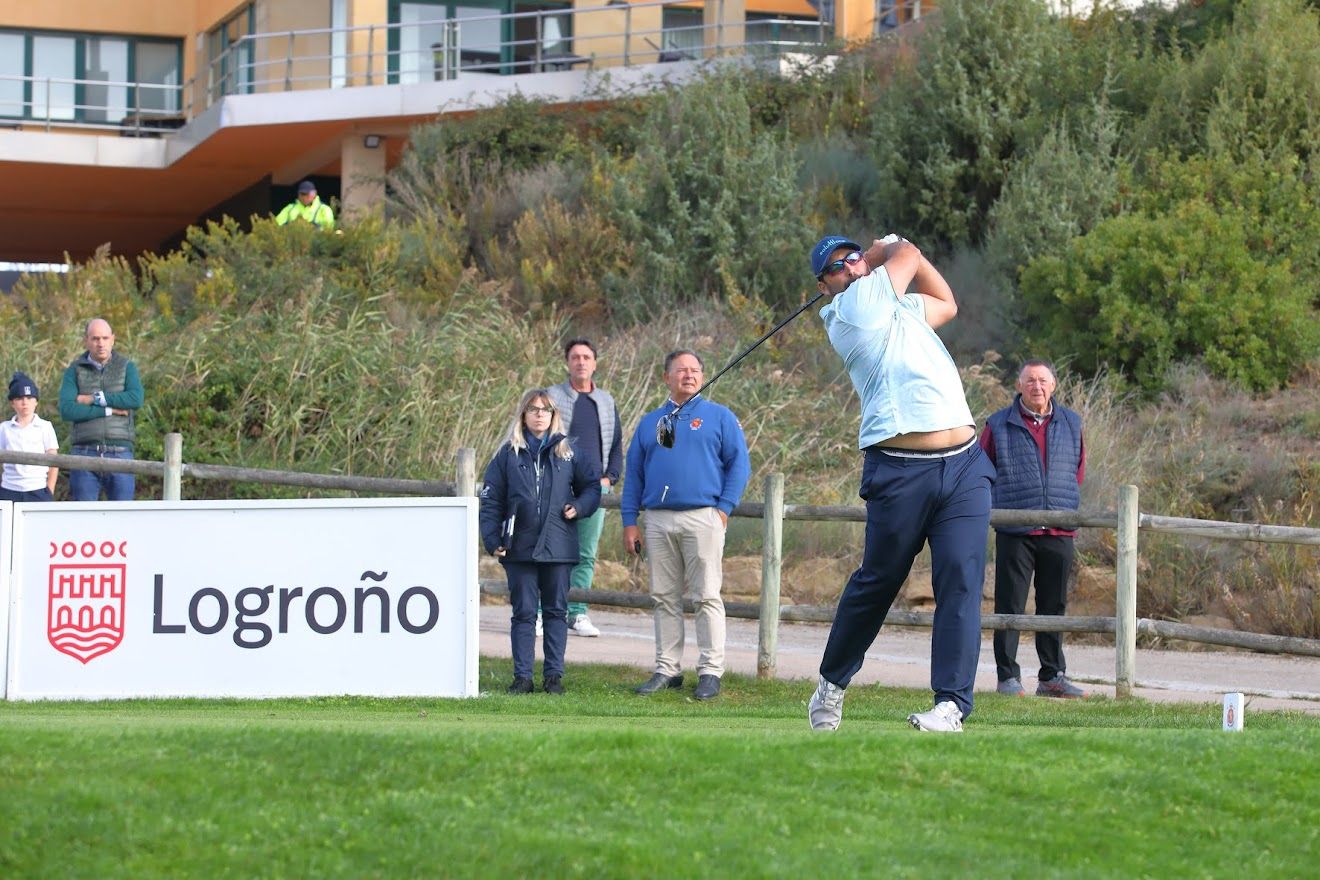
(80, 108)
(497, 7)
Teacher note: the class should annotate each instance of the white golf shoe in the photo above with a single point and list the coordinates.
(825, 710)
(944, 718)
(582, 626)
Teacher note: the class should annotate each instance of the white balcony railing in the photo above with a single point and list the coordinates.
(443, 49)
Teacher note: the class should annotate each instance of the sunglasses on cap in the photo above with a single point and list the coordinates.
(837, 266)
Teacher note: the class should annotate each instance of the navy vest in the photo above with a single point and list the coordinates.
(1020, 485)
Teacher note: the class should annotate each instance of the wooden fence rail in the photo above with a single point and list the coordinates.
(1127, 521)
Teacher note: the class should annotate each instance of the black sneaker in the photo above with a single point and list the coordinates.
(553, 684)
(521, 686)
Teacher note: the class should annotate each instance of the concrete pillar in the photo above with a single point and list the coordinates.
(362, 175)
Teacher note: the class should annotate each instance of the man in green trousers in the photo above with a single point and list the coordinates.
(591, 421)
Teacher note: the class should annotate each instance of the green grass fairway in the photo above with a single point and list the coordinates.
(602, 783)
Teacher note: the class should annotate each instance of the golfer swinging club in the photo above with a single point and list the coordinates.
(924, 477)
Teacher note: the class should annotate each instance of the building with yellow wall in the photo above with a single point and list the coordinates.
(125, 122)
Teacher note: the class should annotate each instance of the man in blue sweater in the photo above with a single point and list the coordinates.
(688, 493)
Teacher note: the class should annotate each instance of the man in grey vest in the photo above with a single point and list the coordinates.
(1036, 445)
(591, 421)
(99, 397)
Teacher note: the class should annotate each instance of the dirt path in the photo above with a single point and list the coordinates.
(902, 658)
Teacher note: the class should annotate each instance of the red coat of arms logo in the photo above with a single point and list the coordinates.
(85, 608)
(696, 423)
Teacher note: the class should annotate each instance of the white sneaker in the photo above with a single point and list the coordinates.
(582, 626)
(540, 628)
(944, 718)
(825, 710)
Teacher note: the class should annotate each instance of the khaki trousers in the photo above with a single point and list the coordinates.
(685, 549)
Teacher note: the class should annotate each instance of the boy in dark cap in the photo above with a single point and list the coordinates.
(27, 432)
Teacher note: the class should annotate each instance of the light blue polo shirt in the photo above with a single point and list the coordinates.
(903, 374)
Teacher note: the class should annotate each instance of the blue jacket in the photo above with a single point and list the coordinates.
(1021, 483)
(708, 466)
(511, 488)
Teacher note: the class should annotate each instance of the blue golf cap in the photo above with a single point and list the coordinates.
(820, 254)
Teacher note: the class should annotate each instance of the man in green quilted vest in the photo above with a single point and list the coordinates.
(99, 397)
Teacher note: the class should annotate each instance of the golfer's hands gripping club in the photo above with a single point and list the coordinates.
(632, 540)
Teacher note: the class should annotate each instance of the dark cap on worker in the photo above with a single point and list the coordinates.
(306, 187)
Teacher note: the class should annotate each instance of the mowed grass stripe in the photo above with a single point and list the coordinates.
(604, 783)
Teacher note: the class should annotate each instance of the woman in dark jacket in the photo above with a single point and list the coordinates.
(534, 493)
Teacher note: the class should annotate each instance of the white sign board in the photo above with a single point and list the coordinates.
(6, 534)
(244, 599)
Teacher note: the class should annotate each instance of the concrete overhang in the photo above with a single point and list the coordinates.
(70, 192)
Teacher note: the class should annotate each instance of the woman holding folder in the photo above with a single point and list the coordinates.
(532, 496)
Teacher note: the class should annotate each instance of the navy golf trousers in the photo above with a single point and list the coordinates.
(910, 501)
(529, 583)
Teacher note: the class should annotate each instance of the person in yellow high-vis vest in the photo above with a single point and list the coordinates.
(308, 207)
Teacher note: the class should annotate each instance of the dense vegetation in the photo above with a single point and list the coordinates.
(1134, 195)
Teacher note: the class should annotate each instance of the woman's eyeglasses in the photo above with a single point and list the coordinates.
(837, 266)
(540, 410)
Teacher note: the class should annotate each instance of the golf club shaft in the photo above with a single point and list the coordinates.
(733, 363)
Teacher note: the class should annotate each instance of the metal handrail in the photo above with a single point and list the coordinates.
(129, 108)
(241, 67)
(270, 62)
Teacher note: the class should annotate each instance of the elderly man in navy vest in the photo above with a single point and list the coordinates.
(1037, 448)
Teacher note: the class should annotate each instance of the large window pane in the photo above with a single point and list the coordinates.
(158, 65)
(682, 34)
(230, 56)
(553, 30)
(53, 58)
(338, 44)
(13, 61)
(478, 38)
(421, 42)
(105, 95)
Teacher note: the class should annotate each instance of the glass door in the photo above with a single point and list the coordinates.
(104, 95)
(13, 69)
(433, 40)
(54, 67)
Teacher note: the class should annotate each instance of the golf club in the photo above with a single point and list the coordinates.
(664, 429)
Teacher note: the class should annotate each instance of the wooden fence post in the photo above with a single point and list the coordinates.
(465, 477)
(1125, 601)
(173, 483)
(772, 547)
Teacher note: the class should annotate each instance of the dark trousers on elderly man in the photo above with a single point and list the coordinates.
(529, 583)
(909, 501)
(1016, 558)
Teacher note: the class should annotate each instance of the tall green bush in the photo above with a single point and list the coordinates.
(710, 201)
(1140, 293)
(1059, 191)
(1252, 93)
(945, 134)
